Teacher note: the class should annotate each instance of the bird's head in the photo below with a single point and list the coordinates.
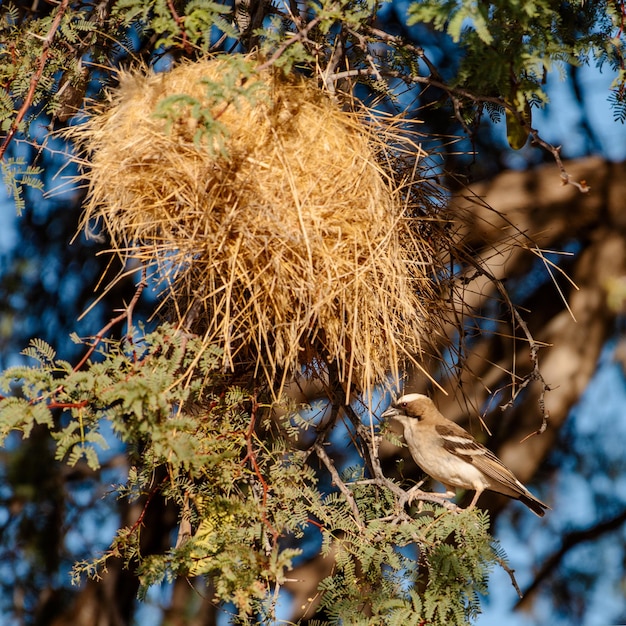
(412, 405)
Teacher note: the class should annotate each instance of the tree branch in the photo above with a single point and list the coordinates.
(36, 77)
(435, 80)
(126, 314)
(569, 541)
(347, 494)
(556, 153)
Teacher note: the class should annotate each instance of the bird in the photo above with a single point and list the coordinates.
(450, 455)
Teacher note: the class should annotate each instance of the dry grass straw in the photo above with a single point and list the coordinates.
(301, 247)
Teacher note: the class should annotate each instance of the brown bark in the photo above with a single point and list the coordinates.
(528, 209)
(531, 209)
(533, 204)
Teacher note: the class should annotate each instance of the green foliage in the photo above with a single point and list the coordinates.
(25, 42)
(201, 16)
(617, 98)
(444, 555)
(16, 175)
(509, 45)
(233, 90)
(195, 26)
(244, 493)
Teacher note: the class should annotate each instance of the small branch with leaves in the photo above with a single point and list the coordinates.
(125, 315)
(252, 458)
(36, 77)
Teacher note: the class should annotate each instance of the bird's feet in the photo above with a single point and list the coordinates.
(413, 491)
(443, 499)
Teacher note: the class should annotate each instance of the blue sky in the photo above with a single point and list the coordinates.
(600, 416)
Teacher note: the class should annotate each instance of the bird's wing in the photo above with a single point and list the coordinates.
(462, 445)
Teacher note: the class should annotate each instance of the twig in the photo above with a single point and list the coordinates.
(294, 13)
(251, 456)
(511, 572)
(435, 80)
(400, 42)
(333, 78)
(363, 44)
(36, 77)
(125, 315)
(301, 35)
(329, 75)
(324, 458)
(556, 153)
(144, 510)
(406, 497)
(535, 374)
(180, 22)
(429, 81)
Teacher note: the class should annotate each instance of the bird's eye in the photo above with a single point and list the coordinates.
(403, 405)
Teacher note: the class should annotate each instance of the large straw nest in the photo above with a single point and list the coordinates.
(294, 246)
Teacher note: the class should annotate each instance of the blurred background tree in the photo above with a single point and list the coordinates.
(480, 78)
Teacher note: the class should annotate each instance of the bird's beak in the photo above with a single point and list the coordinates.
(390, 413)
